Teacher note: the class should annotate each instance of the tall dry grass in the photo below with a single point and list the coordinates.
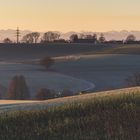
(107, 118)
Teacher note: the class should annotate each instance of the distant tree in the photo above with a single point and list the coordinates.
(73, 37)
(45, 94)
(130, 39)
(31, 37)
(47, 62)
(133, 80)
(50, 36)
(66, 93)
(89, 37)
(35, 36)
(102, 38)
(7, 41)
(82, 36)
(95, 36)
(28, 38)
(56, 36)
(18, 89)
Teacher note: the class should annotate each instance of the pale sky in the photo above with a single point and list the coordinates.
(70, 15)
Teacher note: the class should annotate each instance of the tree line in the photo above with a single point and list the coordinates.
(35, 37)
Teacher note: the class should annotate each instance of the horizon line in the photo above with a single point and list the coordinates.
(30, 30)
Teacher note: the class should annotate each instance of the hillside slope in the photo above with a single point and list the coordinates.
(8, 105)
(113, 115)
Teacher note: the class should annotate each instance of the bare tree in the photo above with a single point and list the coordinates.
(73, 37)
(18, 89)
(82, 36)
(28, 38)
(7, 41)
(102, 38)
(88, 37)
(50, 36)
(130, 39)
(35, 36)
(47, 62)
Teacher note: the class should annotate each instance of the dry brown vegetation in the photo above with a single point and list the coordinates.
(104, 117)
(47, 62)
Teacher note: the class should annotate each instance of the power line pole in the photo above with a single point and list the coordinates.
(17, 34)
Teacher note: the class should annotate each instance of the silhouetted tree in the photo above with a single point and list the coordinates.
(73, 37)
(28, 38)
(102, 38)
(50, 36)
(82, 36)
(95, 36)
(18, 89)
(89, 37)
(66, 93)
(45, 94)
(7, 41)
(47, 62)
(35, 36)
(130, 39)
(31, 37)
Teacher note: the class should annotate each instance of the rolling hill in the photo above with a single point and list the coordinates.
(106, 115)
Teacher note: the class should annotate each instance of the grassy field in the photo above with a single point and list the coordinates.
(22, 52)
(110, 115)
(106, 71)
(103, 64)
(113, 115)
(118, 49)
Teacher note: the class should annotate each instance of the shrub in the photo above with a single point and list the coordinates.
(133, 80)
(47, 62)
(66, 93)
(18, 89)
(45, 94)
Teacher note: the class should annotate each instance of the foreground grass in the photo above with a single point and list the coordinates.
(101, 118)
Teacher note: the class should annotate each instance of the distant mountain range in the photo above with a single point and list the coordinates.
(111, 35)
(11, 34)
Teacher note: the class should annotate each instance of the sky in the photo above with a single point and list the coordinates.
(70, 15)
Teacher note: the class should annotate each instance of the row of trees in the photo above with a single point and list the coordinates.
(35, 37)
(75, 38)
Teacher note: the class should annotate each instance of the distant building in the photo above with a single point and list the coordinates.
(114, 42)
(94, 41)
